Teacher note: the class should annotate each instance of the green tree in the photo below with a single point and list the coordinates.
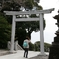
(20, 36)
(29, 27)
(30, 4)
(5, 31)
(10, 6)
(47, 47)
(31, 46)
(37, 46)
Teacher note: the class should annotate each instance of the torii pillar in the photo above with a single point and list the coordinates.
(40, 12)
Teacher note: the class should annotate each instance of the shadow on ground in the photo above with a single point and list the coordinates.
(40, 57)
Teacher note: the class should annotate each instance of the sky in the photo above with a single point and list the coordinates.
(51, 28)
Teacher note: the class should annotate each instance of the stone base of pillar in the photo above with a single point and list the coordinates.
(12, 52)
(44, 54)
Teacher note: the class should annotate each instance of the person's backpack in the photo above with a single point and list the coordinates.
(25, 44)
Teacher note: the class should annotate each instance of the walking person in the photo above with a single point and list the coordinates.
(26, 47)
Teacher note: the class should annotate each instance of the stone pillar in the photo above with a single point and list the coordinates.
(54, 49)
(41, 35)
(16, 43)
(13, 33)
(9, 45)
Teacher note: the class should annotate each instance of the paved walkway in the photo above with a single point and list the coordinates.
(3, 52)
(19, 55)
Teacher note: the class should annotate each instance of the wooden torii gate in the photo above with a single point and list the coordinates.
(40, 12)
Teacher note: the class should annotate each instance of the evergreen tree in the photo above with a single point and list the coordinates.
(5, 31)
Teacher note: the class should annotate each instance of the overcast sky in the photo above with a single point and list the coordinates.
(51, 28)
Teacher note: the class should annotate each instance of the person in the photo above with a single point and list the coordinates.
(27, 47)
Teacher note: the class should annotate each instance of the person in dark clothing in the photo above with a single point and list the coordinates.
(26, 48)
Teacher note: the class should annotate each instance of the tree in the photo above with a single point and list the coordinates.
(31, 46)
(20, 36)
(30, 4)
(29, 27)
(10, 6)
(37, 46)
(47, 47)
(5, 31)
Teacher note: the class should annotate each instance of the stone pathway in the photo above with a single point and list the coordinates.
(39, 57)
(19, 55)
(4, 52)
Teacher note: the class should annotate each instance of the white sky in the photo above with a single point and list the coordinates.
(51, 28)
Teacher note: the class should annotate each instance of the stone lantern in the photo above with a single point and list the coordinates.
(54, 49)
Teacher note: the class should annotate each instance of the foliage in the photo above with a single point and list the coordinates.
(20, 36)
(28, 4)
(46, 46)
(23, 29)
(37, 1)
(37, 46)
(31, 47)
(5, 31)
(9, 6)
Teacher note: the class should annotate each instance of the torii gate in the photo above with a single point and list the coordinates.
(40, 12)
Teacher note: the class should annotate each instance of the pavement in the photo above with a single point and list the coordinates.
(3, 52)
(19, 55)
